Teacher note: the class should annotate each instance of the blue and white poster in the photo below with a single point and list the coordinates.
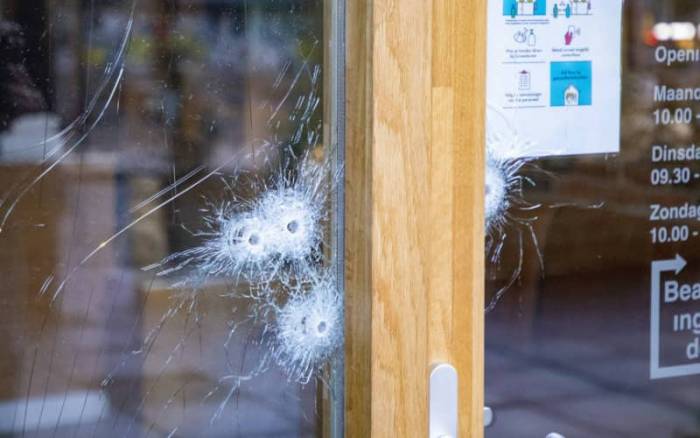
(553, 73)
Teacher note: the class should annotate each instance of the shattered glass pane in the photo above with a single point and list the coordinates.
(168, 207)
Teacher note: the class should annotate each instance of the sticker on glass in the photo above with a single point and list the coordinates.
(553, 75)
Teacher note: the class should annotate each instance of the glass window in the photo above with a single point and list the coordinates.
(168, 217)
(593, 279)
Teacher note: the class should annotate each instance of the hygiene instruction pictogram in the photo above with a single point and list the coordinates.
(569, 8)
(553, 74)
(571, 83)
(521, 8)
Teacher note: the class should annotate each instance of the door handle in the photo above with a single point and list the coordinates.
(443, 401)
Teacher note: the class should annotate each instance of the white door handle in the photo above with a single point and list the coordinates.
(443, 401)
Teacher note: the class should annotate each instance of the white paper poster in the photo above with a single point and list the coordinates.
(554, 74)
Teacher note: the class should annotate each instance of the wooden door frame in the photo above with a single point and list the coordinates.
(414, 223)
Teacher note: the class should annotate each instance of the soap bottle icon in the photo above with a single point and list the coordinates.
(532, 39)
(571, 96)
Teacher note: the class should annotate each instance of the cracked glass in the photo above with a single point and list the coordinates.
(170, 176)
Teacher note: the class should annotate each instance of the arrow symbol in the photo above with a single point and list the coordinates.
(657, 267)
(660, 266)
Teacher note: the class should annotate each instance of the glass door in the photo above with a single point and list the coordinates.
(593, 302)
(169, 219)
(241, 218)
